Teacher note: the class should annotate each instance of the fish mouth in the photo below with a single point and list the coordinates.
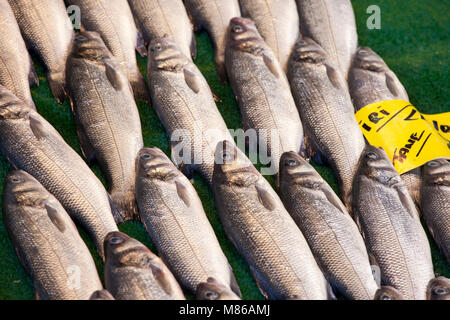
(12, 107)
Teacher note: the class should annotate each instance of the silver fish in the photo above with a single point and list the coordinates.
(47, 29)
(47, 242)
(30, 143)
(109, 128)
(391, 227)
(16, 68)
(214, 290)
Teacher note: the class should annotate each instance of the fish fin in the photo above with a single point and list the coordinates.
(407, 201)
(312, 151)
(125, 203)
(115, 77)
(266, 198)
(115, 212)
(193, 47)
(37, 128)
(32, 75)
(139, 88)
(39, 293)
(87, 149)
(330, 292)
(215, 96)
(55, 217)
(140, 44)
(56, 81)
(183, 193)
(192, 80)
(271, 65)
(161, 278)
(258, 283)
(392, 84)
(233, 283)
(334, 76)
(334, 199)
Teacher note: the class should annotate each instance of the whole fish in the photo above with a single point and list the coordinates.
(214, 17)
(391, 227)
(435, 202)
(101, 295)
(330, 23)
(262, 231)
(262, 91)
(113, 20)
(47, 29)
(46, 241)
(157, 18)
(370, 80)
(438, 289)
(185, 105)
(326, 111)
(277, 22)
(30, 143)
(109, 128)
(174, 217)
(331, 233)
(133, 272)
(214, 290)
(388, 293)
(16, 68)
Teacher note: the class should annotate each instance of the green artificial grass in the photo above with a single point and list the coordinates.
(413, 41)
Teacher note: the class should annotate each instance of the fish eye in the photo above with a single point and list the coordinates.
(363, 53)
(237, 29)
(211, 295)
(81, 38)
(440, 291)
(371, 155)
(146, 156)
(385, 297)
(302, 42)
(227, 157)
(116, 240)
(15, 180)
(433, 164)
(291, 163)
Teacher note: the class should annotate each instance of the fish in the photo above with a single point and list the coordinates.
(174, 218)
(114, 21)
(47, 30)
(278, 24)
(46, 241)
(435, 202)
(332, 134)
(214, 290)
(31, 144)
(133, 272)
(439, 289)
(108, 123)
(263, 93)
(262, 231)
(388, 219)
(16, 67)
(214, 17)
(101, 295)
(388, 293)
(185, 105)
(330, 23)
(157, 18)
(331, 233)
(370, 80)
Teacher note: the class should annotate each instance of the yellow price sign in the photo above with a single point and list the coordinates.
(409, 138)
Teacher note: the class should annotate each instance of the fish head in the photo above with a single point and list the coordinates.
(152, 163)
(306, 50)
(388, 293)
(89, 45)
(164, 54)
(243, 35)
(122, 250)
(438, 289)
(231, 166)
(23, 189)
(214, 290)
(12, 107)
(366, 59)
(101, 295)
(375, 164)
(294, 170)
(437, 172)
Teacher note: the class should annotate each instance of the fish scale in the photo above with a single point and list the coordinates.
(32, 144)
(61, 253)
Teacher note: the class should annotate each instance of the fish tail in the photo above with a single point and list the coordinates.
(140, 89)
(56, 81)
(125, 202)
